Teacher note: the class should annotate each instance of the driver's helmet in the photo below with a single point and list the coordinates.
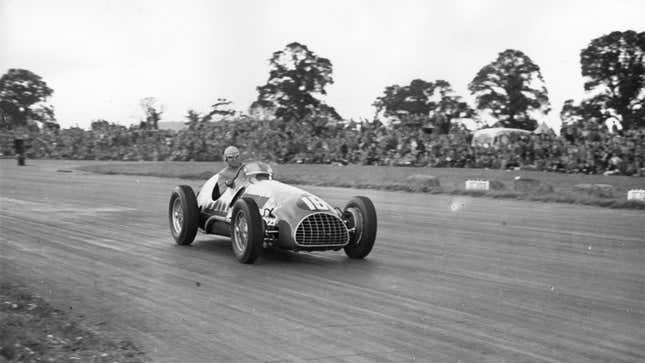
(232, 156)
(231, 152)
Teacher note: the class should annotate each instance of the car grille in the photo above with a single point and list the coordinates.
(321, 229)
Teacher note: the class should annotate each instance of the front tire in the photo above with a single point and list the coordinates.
(247, 230)
(183, 215)
(360, 215)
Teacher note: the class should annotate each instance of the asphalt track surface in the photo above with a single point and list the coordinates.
(450, 278)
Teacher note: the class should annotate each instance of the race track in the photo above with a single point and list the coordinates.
(450, 278)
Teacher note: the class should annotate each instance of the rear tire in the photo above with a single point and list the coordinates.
(361, 215)
(183, 215)
(247, 231)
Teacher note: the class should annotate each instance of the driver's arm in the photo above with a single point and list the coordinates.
(225, 180)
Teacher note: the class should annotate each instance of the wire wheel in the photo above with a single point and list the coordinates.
(177, 216)
(355, 219)
(183, 215)
(241, 231)
(247, 230)
(361, 219)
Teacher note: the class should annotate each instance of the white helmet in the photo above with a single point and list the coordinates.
(231, 151)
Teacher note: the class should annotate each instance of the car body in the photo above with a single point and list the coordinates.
(254, 209)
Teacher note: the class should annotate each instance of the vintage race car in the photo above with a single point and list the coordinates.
(257, 212)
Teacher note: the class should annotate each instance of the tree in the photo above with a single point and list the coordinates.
(22, 99)
(194, 120)
(406, 100)
(511, 88)
(99, 125)
(296, 85)
(589, 110)
(614, 69)
(433, 100)
(152, 111)
(221, 109)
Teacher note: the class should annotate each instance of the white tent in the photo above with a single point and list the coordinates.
(494, 135)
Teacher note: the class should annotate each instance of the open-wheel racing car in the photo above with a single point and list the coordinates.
(256, 211)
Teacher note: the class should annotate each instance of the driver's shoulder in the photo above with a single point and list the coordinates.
(227, 172)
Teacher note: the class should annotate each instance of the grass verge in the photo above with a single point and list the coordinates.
(451, 180)
(33, 331)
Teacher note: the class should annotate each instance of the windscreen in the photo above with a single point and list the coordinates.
(258, 169)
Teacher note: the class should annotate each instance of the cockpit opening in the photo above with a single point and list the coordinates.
(262, 177)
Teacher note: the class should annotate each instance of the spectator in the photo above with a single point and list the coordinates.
(590, 150)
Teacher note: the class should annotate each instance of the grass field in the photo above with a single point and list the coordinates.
(545, 186)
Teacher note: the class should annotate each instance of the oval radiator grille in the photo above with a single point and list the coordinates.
(321, 229)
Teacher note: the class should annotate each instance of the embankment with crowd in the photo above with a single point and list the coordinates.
(592, 150)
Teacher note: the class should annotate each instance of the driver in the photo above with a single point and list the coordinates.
(226, 175)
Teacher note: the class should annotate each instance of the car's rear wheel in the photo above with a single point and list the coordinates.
(360, 215)
(248, 230)
(183, 215)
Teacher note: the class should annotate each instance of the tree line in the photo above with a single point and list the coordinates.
(510, 89)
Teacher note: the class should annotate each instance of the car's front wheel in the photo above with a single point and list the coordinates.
(360, 215)
(183, 215)
(248, 230)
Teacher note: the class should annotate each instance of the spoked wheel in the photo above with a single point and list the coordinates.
(183, 215)
(241, 231)
(360, 216)
(248, 231)
(177, 216)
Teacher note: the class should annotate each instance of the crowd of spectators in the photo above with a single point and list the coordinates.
(591, 149)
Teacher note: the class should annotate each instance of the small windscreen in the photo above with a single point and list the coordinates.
(258, 168)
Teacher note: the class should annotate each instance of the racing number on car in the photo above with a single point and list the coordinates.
(314, 203)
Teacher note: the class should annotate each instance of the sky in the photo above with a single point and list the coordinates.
(102, 57)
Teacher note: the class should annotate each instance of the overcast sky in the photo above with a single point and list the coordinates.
(101, 57)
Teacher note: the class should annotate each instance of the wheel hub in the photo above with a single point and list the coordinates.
(355, 223)
(241, 232)
(177, 216)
